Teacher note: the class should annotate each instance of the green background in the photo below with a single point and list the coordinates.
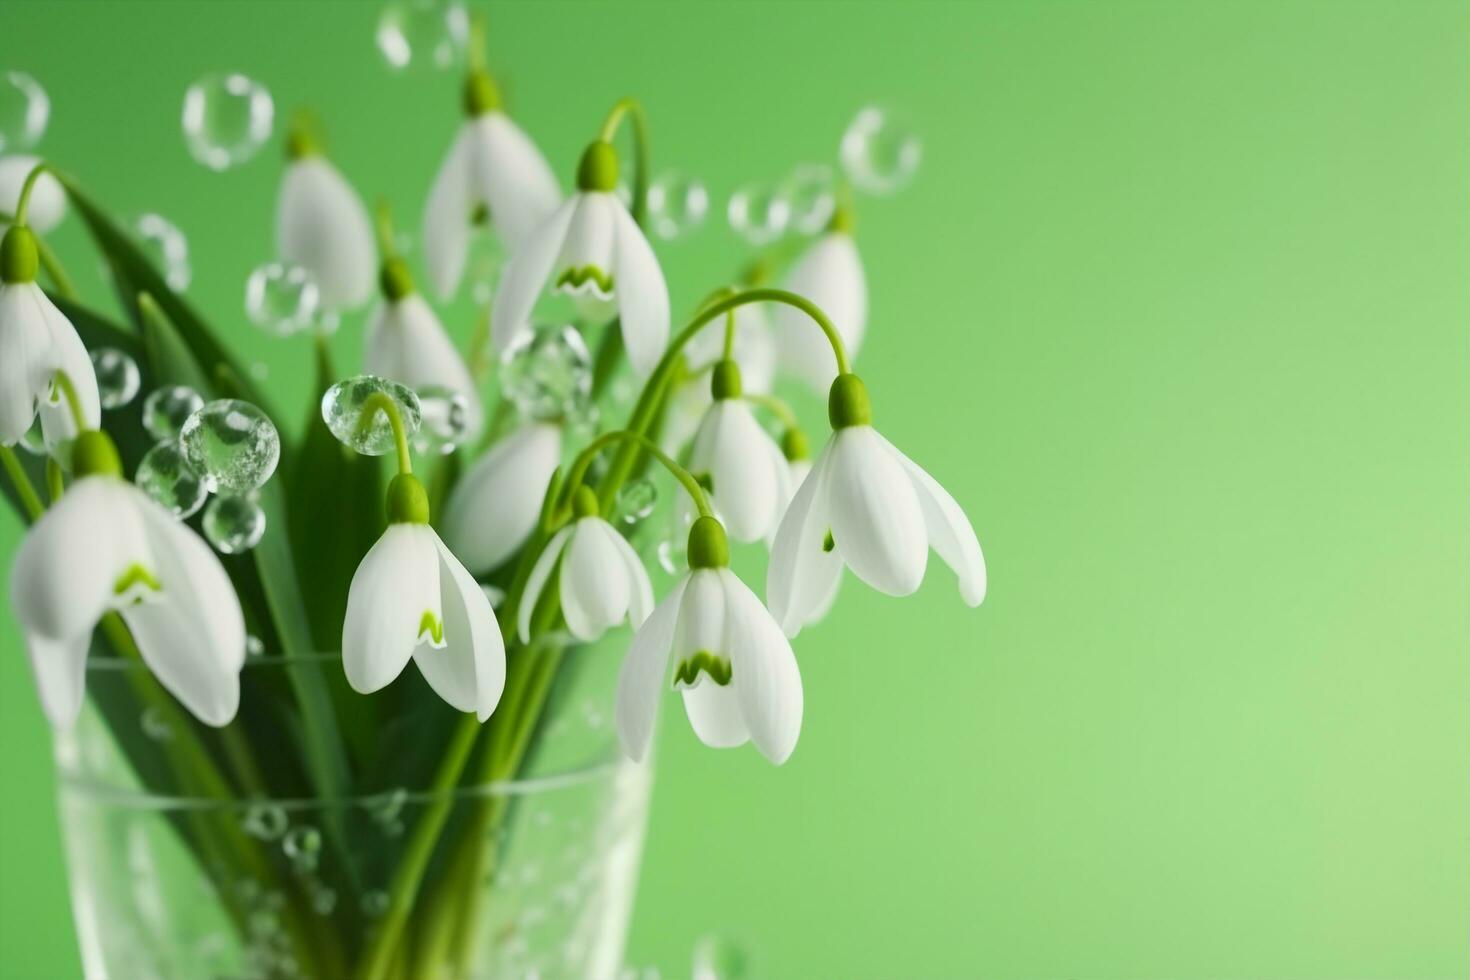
(1176, 308)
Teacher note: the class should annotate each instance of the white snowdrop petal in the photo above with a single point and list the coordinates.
(495, 506)
(536, 582)
(877, 524)
(830, 274)
(763, 672)
(801, 570)
(512, 177)
(950, 531)
(68, 354)
(408, 344)
(733, 448)
(526, 275)
(323, 227)
(642, 293)
(701, 615)
(714, 714)
(446, 227)
(396, 583)
(641, 679)
(25, 358)
(48, 199)
(590, 241)
(594, 583)
(60, 669)
(468, 672)
(640, 589)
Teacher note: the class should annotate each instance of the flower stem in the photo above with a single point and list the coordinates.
(632, 107)
(584, 460)
(62, 381)
(24, 489)
(776, 407)
(24, 204)
(54, 485)
(729, 334)
(383, 225)
(379, 402)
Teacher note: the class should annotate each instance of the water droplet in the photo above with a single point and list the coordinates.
(233, 443)
(166, 409)
(165, 475)
(227, 119)
(323, 901)
(759, 213)
(168, 248)
(635, 501)
(154, 725)
(254, 646)
(880, 153)
(24, 111)
(303, 847)
(423, 33)
(717, 958)
(445, 420)
(265, 821)
(582, 420)
(677, 204)
(547, 373)
(281, 299)
(495, 595)
(809, 189)
(342, 410)
(117, 377)
(374, 903)
(234, 523)
(673, 554)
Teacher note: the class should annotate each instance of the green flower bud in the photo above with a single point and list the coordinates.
(93, 453)
(394, 279)
(708, 546)
(19, 256)
(847, 403)
(724, 380)
(408, 502)
(598, 169)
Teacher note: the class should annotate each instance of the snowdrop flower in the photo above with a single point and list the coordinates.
(37, 342)
(323, 227)
(407, 343)
(754, 350)
(492, 170)
(732, 665)
(748, 474)
(106, 546)
(830, 274)
(591, 249)
(494, 506)
(48, 199)
(867, 506)
(602, 581)
(412, 599)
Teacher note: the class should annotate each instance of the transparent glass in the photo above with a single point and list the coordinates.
(530, 876)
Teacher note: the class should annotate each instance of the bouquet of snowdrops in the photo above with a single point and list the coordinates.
(495, 541)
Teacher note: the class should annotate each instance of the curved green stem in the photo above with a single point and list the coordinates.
(63, 381)
(729, 334)
(379, 402)
(776, 407)
(54, 485)
(476, 51)
(632, 107)
(24, 203)
(585, 458)
(30, 501)
(383, 225)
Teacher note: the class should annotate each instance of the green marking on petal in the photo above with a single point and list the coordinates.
(579, 277)
(827, 543)
(136, 578)
(432, 627)
(714, 666)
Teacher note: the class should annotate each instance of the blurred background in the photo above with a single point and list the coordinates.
(1175, 304)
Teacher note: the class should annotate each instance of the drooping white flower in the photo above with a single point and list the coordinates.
(830, 274)
(494, 506)
(755, 352)
(105, 545)
(601, 579)
(48, 199)
(407, 343)
(492, 168)
(749, 478)
(323, 227)
(37, 341)
(731, 663)
(411, 598)
(869, 507)
(592, 249)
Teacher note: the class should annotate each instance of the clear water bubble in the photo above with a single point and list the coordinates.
(166, 476)
(677, 204)
(227, 119)
(547, 374)
(167, 247)
(265, 821)
(254, 646)
(582, 420)
(423, 33)
(673, 555)
(24, 111)
(303, 847)
(233, 443)
(281, 299)
(233, 523)
(446, 420)
(166, 409)
(342, 410)
(810, 190)
(879, 151)
(117, 377)
(155, 726)
(374, 902)
(718, 958)
(636, 500)
(759, 213)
